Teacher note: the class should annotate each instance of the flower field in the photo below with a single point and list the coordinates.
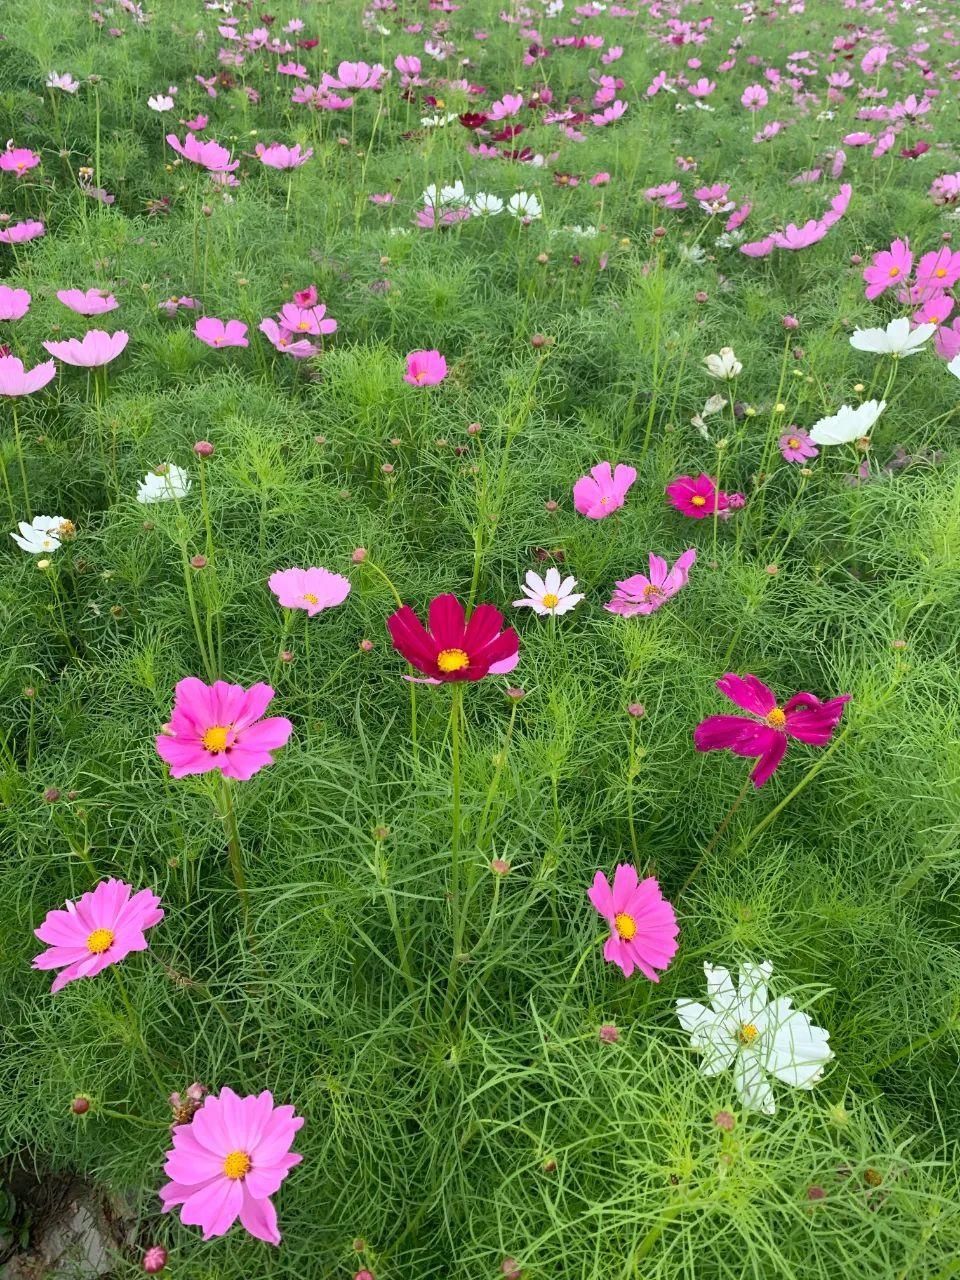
(480, 753)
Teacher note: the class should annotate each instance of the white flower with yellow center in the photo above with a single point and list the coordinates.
(549, 595)
(896, 340)
(163, 484)
(847, 425)
(743, 1028)
(42, 535)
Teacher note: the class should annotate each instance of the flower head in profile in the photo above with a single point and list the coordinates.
(425, 368)
(796, 446)
(604, 490)
(548, 595)
(277, 156)
(94, 349)
(741, 1028)
(164, 483)
(43, 534)
(643, 924)
(221, 333)
(724, 364)
(88, 302)
(847, 425)
(14, 303)
(286, 341)
(309, 589)
(17, 381)
(696, 497)
(21, 232)
(221, 726)
(227, 1163)
(525, 206)
(642, 595)
(764, 733)
(897, 340)
(63, 81)
(207, 154)
(18, 160)
(450, 648)
(101, 929)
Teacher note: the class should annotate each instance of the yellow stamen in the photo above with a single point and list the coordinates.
(698, 500)
(625, 925)
(99, 941)
(940, 272)
(793, 443)
(215, 739)
(894, 272)
(452, 660)
(650, 592)
(776, 719)
(310, 598)
(236, 1165)
(747, 1034)
(549, 600)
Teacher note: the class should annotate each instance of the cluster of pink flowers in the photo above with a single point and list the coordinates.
(297, 322)
(924, 287)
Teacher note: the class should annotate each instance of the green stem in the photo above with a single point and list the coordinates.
(717, 835)
(235, 855)
(20, 460)
(588, 951)
(135, 1027)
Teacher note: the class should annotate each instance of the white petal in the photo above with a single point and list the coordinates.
(720, 989)
(793, 1049)
(552, 581)
(752, 1085)
(535, 582)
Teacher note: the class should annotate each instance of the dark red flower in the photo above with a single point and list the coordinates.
(454, 648)
(473, 119)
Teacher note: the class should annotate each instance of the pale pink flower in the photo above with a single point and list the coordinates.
(18, 161)
(221, 333)
(14, 303)
(642, 595)
(603, 491)
(90, 302)
(94, 349)
(20, 232)
(312, 321)
(17, 381)
(277, 156)
(286, 341)
(209, 155)
(310, 589)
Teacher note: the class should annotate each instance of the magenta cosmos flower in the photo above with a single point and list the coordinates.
(425, 368)
(221, 333)
(277, 156)
(17, 381)
(18, 161)
(642, 595)
(219, 726)
(227, 1163)
(20, 232)
(766, 733)
(604, 490)
(310, 589)
(90, 302)
(14, 303)
(99, 930)
(889, 267)
(453, 648)
(643, 924)
(94, 349)
(796, 446)
(209, 155)
(696, 498)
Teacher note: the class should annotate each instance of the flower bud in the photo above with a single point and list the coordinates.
(155, 1260)
(203, 449)
(609, 1033)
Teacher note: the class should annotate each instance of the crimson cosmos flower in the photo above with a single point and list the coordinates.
(452, 648)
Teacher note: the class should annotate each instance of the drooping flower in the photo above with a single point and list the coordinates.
(765, 734)
(42, 534)
(17, 381)
(740, 1027)
(425, 368)
(604, 490)
(89, 302)
(796, 446)
(220, 726)
(285, 341)
(227, 1163)
(207, 154)
(724, 365)
(643, 595)
(101, 929)
(94, 349)
(696, 497)
(310, 589)
(897, 340)
(890, 267)
(452, 648)
(847, 424)
(221, 333)
(549, 595)
(277, 156)
(64, 82)
(164, 484)
(643, 924)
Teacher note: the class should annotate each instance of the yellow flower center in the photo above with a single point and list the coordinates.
(747, 1034)
(549, 600)
(236, 1165)
(310, 598)
(604, 501)
(452, 660)
(625, 925)
(776, 719)
(650, 592)
(940, 272)
(793, 443)
(698, 500)
(99, 941)
(894, 272)
(215, 739)
(303, 325)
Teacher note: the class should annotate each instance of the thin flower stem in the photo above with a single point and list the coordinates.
(630, 771)
(919, 1042)
(235, 855)
(495, 780)
(20, 460)
(585, 955)
(717, 836)
(149, 1057)
(456, 907)
(192, 602)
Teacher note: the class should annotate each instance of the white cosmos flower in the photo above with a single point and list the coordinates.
(42, 534)
(160, 102)
(847, 424)
(525, 205)
(742, 1028)
(437, 121)
(549, 595)
(725, 365)
(483, 205)
(165, 483)
(896, 340)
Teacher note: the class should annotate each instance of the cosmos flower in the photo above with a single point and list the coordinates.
(847, 424)
(14, 303)
(207, 154)
(725, 365)
(643, 924)
(453, 648)
(309, 589)
(696, 498)
(548, 595)
(221, 333)
(285, 341)
(101, 929)
(796, 446)
(897, 340)
(641, 595)
(425, 368)
(888, 268)
(311, 321)
(18, 160)
(42, 535)
(89, 302)
(766, 731)
(742, 1028)
(525, 206)
(21, 232)
(164, 484)
(277, 156)
(220, 726)
(94, 349)
(65, 82)
(17, 381)
(604, 490)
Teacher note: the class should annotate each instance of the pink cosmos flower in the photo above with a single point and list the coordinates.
(311, 320)
(703, 88)
(306, 297)
(947, 340)
(21, 232)
(285, 341)
(17, 381)
(221, 333)
(643, 924)
(794, 237)
(668, 195)
(277, 156)
(425, 368)
(227, 1163)
(939, 269)
(355, 75)
(90, 302)
(935, 310)
(505, 107)
(209, 155)
(95, 348)
(804, 718)
(754, 97)
(18, 161)
(219, 726)
(643, 595)
(14, 303)
(99, 930)
(889, 267)
(310, 589)
(796, 446)
(696, 498)
(604, 490)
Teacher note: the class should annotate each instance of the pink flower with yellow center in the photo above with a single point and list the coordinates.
(643, 924)
(98, 930)
(220, 726)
